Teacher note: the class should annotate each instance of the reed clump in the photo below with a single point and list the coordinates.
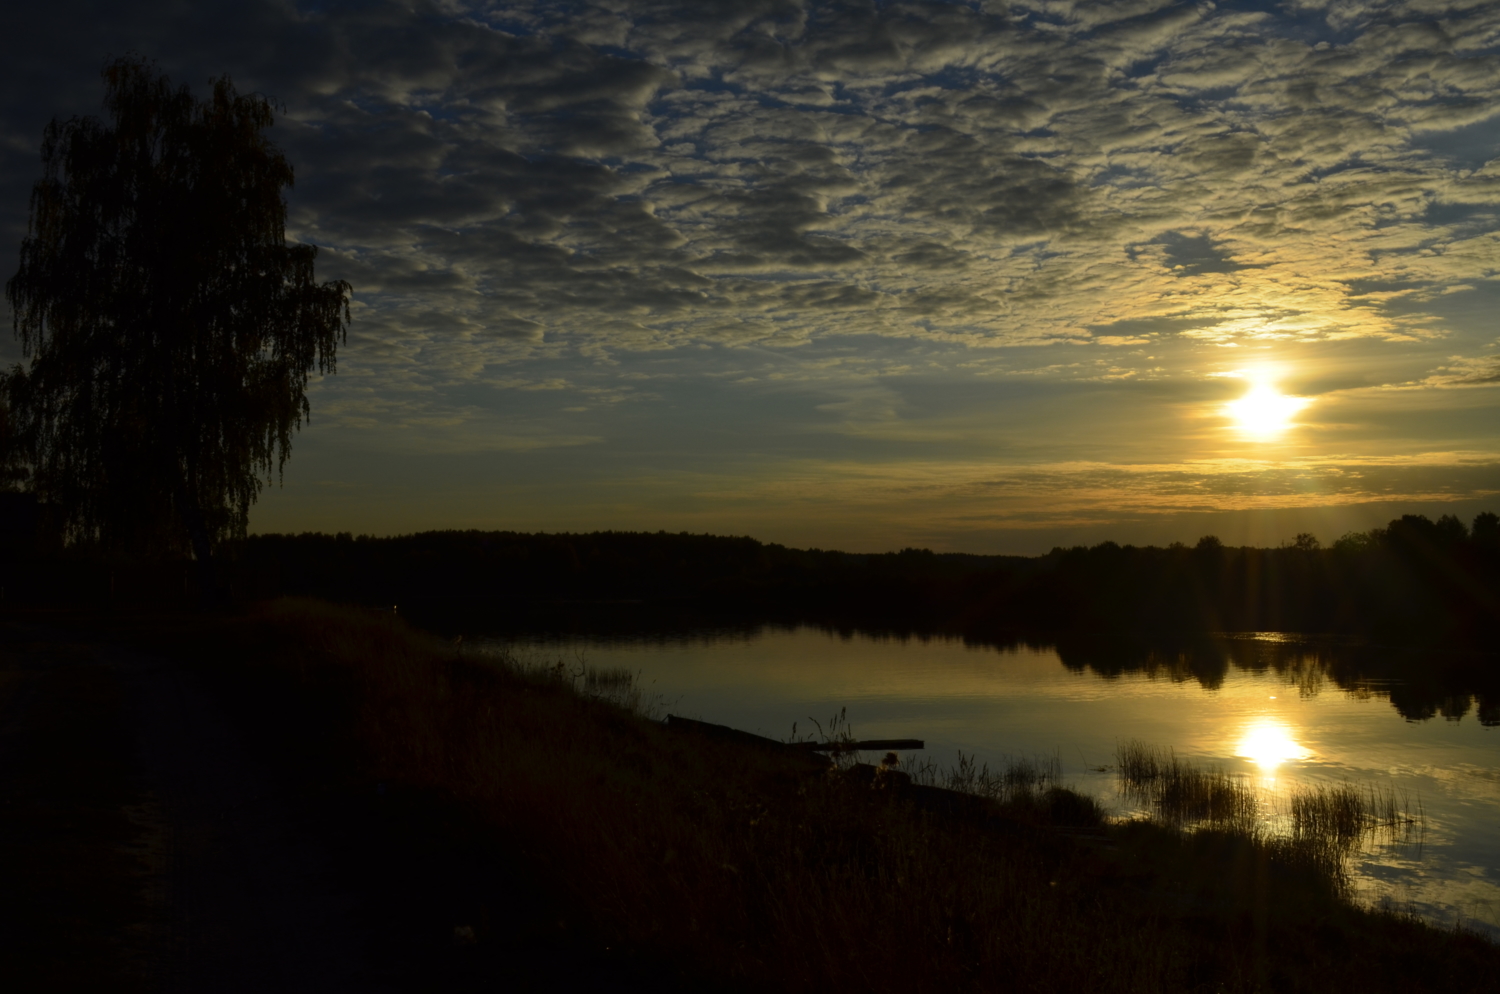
(1180, 793)
(1328, 822)
(1345, 815)
(739, 867)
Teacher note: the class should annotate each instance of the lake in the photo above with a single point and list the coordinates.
(1276, 709)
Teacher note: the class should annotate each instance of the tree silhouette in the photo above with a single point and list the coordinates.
(170, 328)
(13, 471)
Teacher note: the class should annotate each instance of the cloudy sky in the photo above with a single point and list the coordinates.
(973, 276)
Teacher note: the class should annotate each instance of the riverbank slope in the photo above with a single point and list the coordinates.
(489, 822)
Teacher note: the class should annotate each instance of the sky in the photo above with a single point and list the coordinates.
(977, 277)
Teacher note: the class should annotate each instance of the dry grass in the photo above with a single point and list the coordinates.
(757, 870)
(1018, 780)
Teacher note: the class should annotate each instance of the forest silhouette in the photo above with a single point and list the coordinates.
(1416, 581)
(1413, 582)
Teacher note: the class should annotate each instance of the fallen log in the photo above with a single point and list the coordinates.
(871, 744)
(750, 738)
(721, 731)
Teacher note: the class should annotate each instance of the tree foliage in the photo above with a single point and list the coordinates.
(169, 326)
(13, 471)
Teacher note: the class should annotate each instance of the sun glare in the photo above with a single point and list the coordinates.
(1264, 411)
(1268, 744)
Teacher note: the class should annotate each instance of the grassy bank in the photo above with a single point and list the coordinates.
(692, 860)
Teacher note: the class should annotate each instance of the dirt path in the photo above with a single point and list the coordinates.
(72, 912)
(249, 897)
(145, 846)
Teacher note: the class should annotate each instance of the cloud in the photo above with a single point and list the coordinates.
(954, 499)
(1463, 372)
(510, 183)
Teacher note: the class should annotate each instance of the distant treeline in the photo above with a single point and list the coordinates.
(1414, 580)
(633, 572)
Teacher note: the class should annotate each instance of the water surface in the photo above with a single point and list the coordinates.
(1268, 707)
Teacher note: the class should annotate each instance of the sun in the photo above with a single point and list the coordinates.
(1264, 412)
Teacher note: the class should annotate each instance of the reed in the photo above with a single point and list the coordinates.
(1328, 823)
(1345, 815)
(1338, 816)
(1181, 794)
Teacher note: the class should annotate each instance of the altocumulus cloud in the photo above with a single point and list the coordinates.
(530, 197)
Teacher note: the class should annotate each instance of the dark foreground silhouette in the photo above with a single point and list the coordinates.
(472, 824)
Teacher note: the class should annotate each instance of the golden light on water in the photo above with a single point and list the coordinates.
(1268, 743)
(1264, 411)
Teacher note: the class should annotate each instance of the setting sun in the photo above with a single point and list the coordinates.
(1268, 744)
(1264, 411)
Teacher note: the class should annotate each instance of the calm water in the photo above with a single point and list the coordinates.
(1265, 706)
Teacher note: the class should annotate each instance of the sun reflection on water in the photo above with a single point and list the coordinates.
(1268, 743)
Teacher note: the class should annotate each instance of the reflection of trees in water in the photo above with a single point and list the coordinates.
(1306, 674)
(1419, 685)
(1113, 659)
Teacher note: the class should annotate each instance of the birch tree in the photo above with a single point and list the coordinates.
(169, 327)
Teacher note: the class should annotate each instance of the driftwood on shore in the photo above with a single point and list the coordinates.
(871, 744)
(953, 803)
(735, 735)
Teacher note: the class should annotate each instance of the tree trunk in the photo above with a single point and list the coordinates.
(209, 594)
